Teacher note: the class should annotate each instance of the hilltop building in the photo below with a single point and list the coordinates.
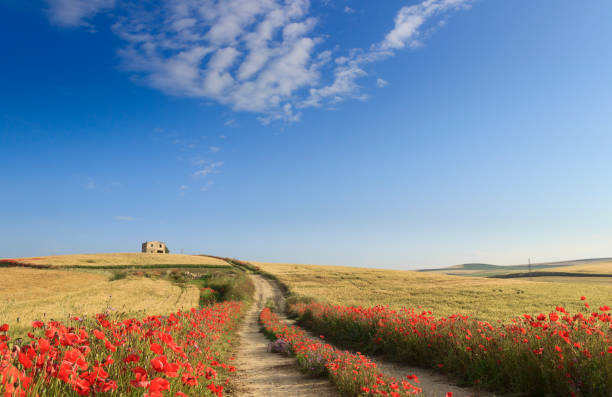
(154, 247)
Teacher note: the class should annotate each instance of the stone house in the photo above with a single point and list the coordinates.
(154, 247)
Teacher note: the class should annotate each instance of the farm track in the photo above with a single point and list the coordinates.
(272, 375)
(432, 383)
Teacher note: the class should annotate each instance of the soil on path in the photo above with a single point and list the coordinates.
(261, 373)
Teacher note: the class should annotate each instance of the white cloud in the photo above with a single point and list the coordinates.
(344, 85)
(380, 83)
(409, 22)
(71, 13)
(410, 19)
(348, 10)
(252, 55)
(125, 218)
(260, 56)
(208, 169)
(214, 149)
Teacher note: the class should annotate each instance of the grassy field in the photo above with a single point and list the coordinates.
(32, 294)
(28, 294)
(122, 260)
(599, 266)
(483, 298)
(484, 270)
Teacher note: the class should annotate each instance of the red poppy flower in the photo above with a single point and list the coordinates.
(131, 358)
(157, 349)
(159, 385)
(189, 379)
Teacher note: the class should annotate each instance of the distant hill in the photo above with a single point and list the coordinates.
(582, 266)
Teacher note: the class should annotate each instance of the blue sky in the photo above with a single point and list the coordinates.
(400, 134)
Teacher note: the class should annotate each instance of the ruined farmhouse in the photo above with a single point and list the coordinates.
(154, 247)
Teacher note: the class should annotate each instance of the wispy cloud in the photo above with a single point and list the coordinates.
(208, 169)
(380, 83)
(72, 13)
(260, 56)
(407, 31)
(214, 149)
(410, 20)
(124, 218)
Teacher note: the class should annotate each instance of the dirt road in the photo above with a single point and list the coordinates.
(265, 374)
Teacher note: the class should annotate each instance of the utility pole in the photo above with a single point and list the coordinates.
(529, 261)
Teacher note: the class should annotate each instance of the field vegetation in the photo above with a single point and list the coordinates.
(531, 337)
(482, 298)
(123, 260)
(481, 329)
(604, 267)
(128, 284)
(353, 374)
(597, 266)
(180, 354)
(27, 295)
(554, 354)
(123, 323)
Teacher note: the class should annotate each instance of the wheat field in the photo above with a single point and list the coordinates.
(483, 298)
(123, 259)
(29, 294)
(599, 267)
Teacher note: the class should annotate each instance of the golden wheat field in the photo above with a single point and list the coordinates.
(483, 298)
(599, 267)
(41, 294)
(123, 259)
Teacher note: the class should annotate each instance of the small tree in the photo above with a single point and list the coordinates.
(166, 250)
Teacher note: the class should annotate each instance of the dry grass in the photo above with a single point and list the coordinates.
(600, 267)
(472, 273)
(489, 299)
(577, 280)
(124, 259)
(33, 294)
